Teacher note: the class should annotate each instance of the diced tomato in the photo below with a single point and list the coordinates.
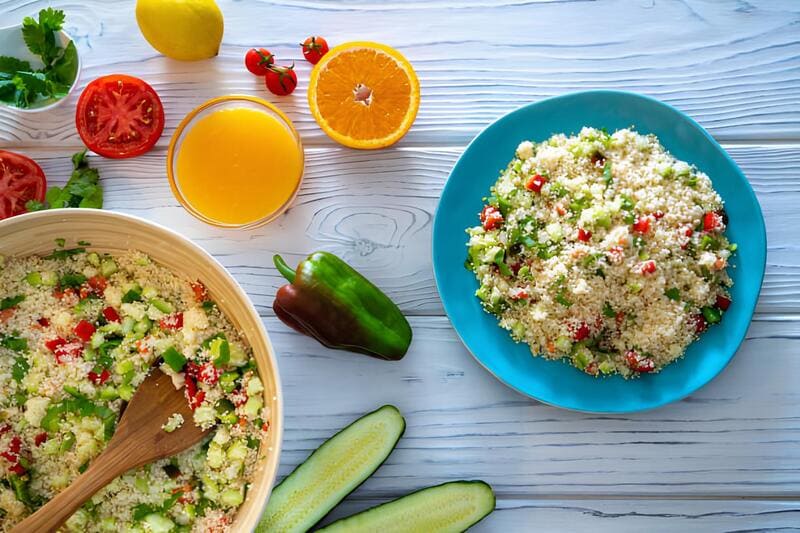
(518, 293)
(60, 293)
(536, 183)
(99, 379)
(197, 399)
(560, 209)
(639, 363)
(616, 254)
(15, 445)
(648, 267)
(581, 332)
(173, 321)
(40, 439)
(200, 291)
(591, 368)
(265, 426)
(5, 428)
(491, 218)
(191, 387)
(68, 351)
(84, 330)
(699, 322)
(110, 314)
(98, 284)
(688, 231)
(17, 469)
(44, 322)
(723, 302)
(642, 225)
(239, 398)
(712, 221)
(584, 235)
(52, 344)
(658, 215)
(208, 374)
(192, 369)
(6, 314)
(619, 318)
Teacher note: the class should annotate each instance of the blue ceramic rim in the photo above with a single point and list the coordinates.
(695, 125)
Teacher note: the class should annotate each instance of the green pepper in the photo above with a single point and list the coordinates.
(331, 302)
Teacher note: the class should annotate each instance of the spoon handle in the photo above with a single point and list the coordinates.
(114, 461)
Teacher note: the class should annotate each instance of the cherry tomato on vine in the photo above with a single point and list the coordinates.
(281, 80)
(314, 48)
(258, 61)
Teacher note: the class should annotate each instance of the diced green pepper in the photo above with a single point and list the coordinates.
(227, 381)
(67, 443)
(712, 315)
(174, 359)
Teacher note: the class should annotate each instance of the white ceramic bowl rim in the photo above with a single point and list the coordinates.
(65, 38)
(268, 458)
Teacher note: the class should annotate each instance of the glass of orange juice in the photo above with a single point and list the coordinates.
(235, 162)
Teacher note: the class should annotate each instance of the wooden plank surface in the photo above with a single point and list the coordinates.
(376, 210)
(731, 65)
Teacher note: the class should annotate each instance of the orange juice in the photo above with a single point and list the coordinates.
(237, 165)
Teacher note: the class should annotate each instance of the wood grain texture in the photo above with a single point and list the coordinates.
(738, 436)
(376, 210)
(654, 516)
(732, 65)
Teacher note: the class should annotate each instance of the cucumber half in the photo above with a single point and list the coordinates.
(454, 506)
(332, 472)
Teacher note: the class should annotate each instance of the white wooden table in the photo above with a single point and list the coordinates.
(727, 458)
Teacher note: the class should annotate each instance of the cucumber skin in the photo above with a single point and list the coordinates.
(263, 527)
(349, 525)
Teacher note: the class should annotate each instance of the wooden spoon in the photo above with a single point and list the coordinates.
(137, 441)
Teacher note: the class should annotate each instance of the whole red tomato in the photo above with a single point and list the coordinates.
(314, 48)
(281, 80)
(258, 61)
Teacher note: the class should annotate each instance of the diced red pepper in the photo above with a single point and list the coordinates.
(63, 293)
(110, 314)
(265, 426)
(619, 318)
(5, 428)
(581, 332)
(648, 267)
(17, 469)
(584, 235)
(84, 330)
(491, 218)
(688, 231)
(642, 225)
(197, 399)
(591, 368)
(536, 183)
(699, 322)
(239, 398)
(40, 439)
(99, 379)
(723, 302)
(208, 374)
(712, 221)
(191, 387)
(192, 369)
(44, 322)
(6, 314)
(98, 284)
(638, 363)
(200, 291)
(173, 321)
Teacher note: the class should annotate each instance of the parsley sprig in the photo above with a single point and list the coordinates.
(22, 85)
(82, 190)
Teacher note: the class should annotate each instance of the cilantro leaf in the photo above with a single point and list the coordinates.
(11, 65)
(82, 190)
(39, 35)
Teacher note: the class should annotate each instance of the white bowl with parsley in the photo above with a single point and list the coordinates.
(39, 63)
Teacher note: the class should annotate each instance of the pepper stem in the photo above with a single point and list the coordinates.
(283, 268)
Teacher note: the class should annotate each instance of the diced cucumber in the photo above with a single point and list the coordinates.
(231, 497)
(108, 267)
(93, 259)
(454, 506)
(162, 305)
(127, 325)
(142, 326)
(253, 406)
(49, 278)
(149, 293)
(125, 392)
(158, 523)
(332, 472)
(34, 279)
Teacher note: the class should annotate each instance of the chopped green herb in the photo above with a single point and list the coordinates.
(20, 368)
(82, 190)
(63, 254)
(673, 293)
(11, 301)
(14, 343)
(72, 279)
(608, 311)
(61, 242)
(607, 177)
(132, 296)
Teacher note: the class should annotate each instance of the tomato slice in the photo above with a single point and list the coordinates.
(21, 179)
(119, 116)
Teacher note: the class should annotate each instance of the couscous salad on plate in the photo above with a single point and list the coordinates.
(79, 331)
(604, 250)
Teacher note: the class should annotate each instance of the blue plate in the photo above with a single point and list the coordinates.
(556, 382)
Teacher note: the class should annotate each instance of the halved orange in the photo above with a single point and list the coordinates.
(364, 95)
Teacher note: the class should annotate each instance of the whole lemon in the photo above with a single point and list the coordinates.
(187, 30)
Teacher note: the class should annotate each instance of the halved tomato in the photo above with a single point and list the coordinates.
(119, 116)
(21, 179)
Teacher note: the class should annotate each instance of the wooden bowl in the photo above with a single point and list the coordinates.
(35, 233)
